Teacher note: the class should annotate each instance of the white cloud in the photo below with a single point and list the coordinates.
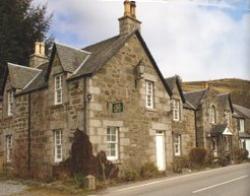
(192, 41)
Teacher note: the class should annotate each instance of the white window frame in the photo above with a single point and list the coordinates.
(10, 102)
(112, 140)
(8, 140)
(149, 85)
(176, 109)
(177, 145)
(58, 146)
(212, 114)
(58, 89)
(242, 125)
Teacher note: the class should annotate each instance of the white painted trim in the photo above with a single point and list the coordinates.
(27, 85)
(220, 184)
(55, 89)
(21, 66)
(84, 61)
(72, 47)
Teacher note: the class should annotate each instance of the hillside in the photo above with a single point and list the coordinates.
(240, 89)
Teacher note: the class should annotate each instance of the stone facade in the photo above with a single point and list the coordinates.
(105, 90)
(215, 129)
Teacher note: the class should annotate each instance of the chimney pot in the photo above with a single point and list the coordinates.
(133, 9)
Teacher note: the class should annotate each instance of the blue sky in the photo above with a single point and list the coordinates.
(196, 40)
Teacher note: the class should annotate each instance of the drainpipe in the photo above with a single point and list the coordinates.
(85, 102)
(195, 120)
(29, 132)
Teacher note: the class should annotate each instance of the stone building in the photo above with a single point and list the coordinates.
(183, 119)
(215, 130)
(112, 90)
(242, 124)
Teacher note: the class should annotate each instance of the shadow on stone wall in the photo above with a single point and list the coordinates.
(83, 162)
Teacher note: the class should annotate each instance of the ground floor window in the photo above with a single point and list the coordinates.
(112, 143)
(177, 144)
(58, 148)
(8, 148)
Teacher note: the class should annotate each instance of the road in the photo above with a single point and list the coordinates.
(228, 181)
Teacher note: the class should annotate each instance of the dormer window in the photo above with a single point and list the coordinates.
(58, 89)
(212, 115)
(176, 110)
(242, 125)
(10, 100)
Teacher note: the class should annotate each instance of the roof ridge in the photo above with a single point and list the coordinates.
(72, 47)
(195, 91)
(30, 82)
(100, 42)
(25, 67)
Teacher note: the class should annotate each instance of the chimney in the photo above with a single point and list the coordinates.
(133, 9)
(129, 23)
(39, 56)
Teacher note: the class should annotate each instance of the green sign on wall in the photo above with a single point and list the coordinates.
(117, 107)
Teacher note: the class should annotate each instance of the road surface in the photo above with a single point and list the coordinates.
(228, 181)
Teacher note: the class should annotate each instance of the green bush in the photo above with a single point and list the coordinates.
(129, 174)
(210, 160)
(79, 179)
(240, 155)
(224, 160)
(149, 170)
(197, 157)
(180, 163)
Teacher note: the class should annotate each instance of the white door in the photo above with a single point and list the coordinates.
(248, 146)
(160, 150)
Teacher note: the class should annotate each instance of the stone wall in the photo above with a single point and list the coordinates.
(116, 83)
(1, 138)
(204, 126)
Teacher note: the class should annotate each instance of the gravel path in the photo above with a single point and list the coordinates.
(10, 187)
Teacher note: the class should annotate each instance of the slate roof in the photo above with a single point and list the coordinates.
(70, 58)
(223, 98)
(100, 53)
(40, 81)
(171, 82)
(218, 129)
(195, 97)
(242, 111)
(20, 76)
(81, 62)
(244, 135)
(175, 80)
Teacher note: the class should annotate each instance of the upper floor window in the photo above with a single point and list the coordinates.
(176, 110)
(212, 115)
(8, 141)
(58, 146)
(10, 102)
(177, 144)
(149, 94)
(112, 143)
(58, 89)
(242, 125)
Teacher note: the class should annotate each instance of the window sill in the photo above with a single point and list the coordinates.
(150, 109)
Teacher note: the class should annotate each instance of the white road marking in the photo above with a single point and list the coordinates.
(220, 184)
(172, 179)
